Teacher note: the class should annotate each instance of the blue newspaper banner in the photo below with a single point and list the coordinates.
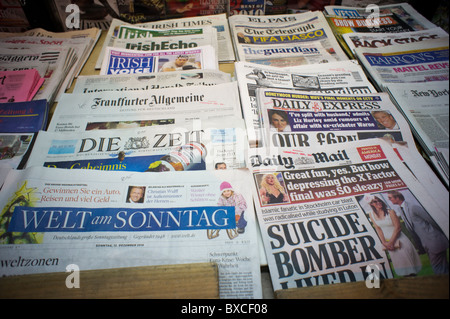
(82, 219)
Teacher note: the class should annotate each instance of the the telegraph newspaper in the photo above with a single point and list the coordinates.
(218, 21)
(144, 147)
(142, 39)
(343, 77)
(129, 219)
(327, 215)
(416, 62)
(285, 40)
(126, 61)
(78, 111)
(426, 108)
(377, 40)
(145, 82)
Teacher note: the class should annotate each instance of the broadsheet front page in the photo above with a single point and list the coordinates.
(78, 111)
(127, 219)
(343, 77)
(218, 21)
(418, 62)
(193, 146)
(285, 40)
(314, 209)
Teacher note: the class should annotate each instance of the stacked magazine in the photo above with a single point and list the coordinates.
(300, 158)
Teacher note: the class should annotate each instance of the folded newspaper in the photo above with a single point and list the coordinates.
(328, 215)
(52, 218)
(139, 82)
(126, 61)
(218, 21)
(19, 85)
(193, 146)
(83, 111)
(343, 77)
(285, 40)
(424, 61)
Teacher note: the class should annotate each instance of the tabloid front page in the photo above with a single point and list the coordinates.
(139, 82)
(78, 111)
(314, 209)
(343, 77)
(218, 21)
(125, 61)
(124, 219)
(285, 40)
(192, 146)
(417, 62)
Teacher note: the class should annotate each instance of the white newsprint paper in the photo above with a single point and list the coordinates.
(84, 111)
(52, 218)
(314, 207)
(198, 145)
(126, 61)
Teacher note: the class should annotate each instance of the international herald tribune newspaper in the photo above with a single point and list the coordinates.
(123, 219)
(319, 228)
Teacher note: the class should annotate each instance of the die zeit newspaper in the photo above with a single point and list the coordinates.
(319, 229)
(51, 218)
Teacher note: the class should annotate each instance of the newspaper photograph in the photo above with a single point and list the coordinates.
(194, 146)
(343, 77)
(218, 21)
(145, 82)
(130, 219)
(285, 40)
(345, 213)
(378, 40)
(78, 111)
(142, 39)
(416, 62)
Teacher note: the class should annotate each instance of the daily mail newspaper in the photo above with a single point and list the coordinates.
(426, 107)
(101, 220)
(377, 40)
(417, 62)
(327, 215)
(141, 39)
(192, 146)
(218, 21)
(126, 61)
(138, 82)
(285, 40)
(343, 77)
(79, 111)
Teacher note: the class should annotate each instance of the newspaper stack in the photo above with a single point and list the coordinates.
(285, 40)
(20, 85)
(219, 22)
(392, 18)
(426, 107)
(58, 57)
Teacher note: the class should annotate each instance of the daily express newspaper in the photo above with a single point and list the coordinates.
(327, 215)
(79, 111)
(218, 21)
(343, 77)
(377, 40)
(426, 107)
(417, 62)
(126, 61)
(160, 80)
(193, 146)
(52, 218)
(141, 39)
(285, 40)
